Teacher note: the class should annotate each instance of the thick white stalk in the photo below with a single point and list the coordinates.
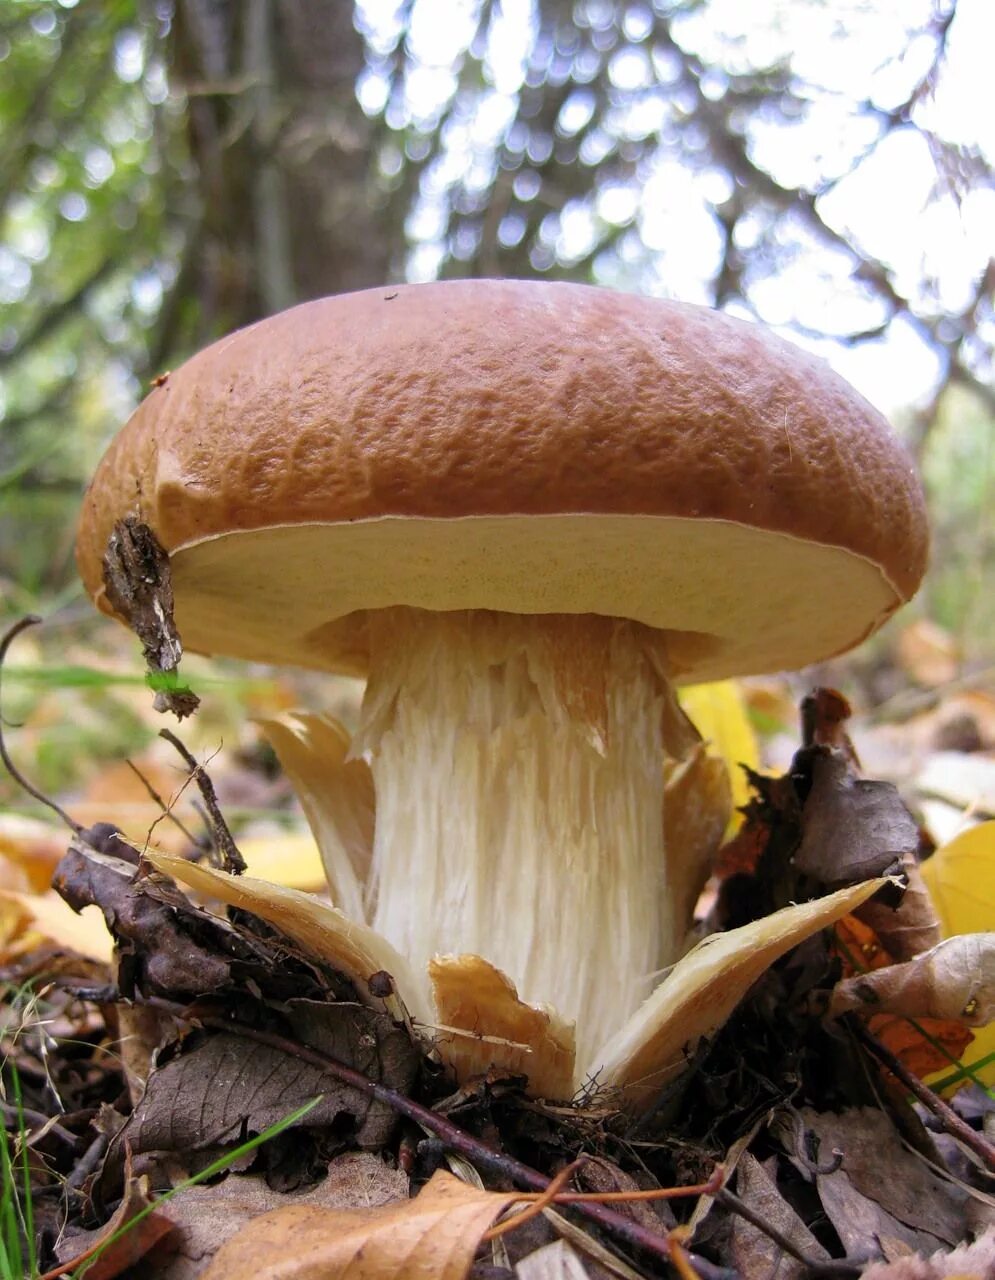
(518, 765)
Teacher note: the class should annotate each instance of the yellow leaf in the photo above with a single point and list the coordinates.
(30, 851)
(433, 1237)
(28, 920)
(961, 879)
(290, 858)
(718, 712)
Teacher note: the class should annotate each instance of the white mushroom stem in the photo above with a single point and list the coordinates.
(519, 773)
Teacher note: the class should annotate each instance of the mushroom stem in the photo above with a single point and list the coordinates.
(519, 772)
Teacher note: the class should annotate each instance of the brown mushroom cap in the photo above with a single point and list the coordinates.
(520, 446)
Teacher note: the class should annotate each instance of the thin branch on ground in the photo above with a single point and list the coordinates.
(233, 861)
(948, 1118)
(656, 1244)
(167, 809)
(813, 1266)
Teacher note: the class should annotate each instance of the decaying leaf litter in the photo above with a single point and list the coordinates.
(208, 1027)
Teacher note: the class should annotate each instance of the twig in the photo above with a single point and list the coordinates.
(651, 1242)
(679, 1257)
(542, 1200)
(948, 1118)
(234, 863)
(31, 620)
(10, 1112)
(816, 1266)
(167, 809)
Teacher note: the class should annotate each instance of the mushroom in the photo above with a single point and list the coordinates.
(522, 511)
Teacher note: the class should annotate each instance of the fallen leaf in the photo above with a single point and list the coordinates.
(967, 1262)
(484, 1025)
(924, 1045)
(290, 858)
(32, 919)
(955, 979)
(221, 1085)
(913, 926)
(754, 1253)
(851, 828)
(556, 1261)
(204, 1218)
(961, 880)
(704, 988)
(877, 1190)
(719, 713)
(130, 1247)
(433, 1237)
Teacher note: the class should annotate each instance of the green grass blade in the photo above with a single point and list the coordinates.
(217, 1166)
(26, 1203)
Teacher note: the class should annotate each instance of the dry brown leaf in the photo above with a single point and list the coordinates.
(433, 1237)
(704, 988)
(220, 1087)
(878, 1191)
(132, 1245)
(206, 1217)
(556, 1261)
(498, 1029)
(913, 926)
(955, 979)
(851, 827)
(967, 1262)
(754, 1253)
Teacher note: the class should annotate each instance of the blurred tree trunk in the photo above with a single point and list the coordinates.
(288, 206)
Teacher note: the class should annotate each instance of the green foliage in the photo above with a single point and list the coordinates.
(17, 1242)
(959, 473)
(83, 258)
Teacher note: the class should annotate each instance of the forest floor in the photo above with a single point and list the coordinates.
(192, 1092)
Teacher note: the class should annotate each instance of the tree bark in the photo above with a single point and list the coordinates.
(288, 202)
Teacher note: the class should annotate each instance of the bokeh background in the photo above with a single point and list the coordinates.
(172, 169)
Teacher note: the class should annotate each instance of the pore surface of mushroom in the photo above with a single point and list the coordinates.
(521, 510)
